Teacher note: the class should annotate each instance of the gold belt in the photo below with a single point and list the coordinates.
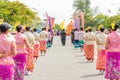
(20, 46)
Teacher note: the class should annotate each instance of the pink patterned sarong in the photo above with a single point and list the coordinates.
(101, 60)
(43, 45)
(36, 50)
(90, 52)
(6, 72)
(30, 60)
(113, 65)
(20, 63)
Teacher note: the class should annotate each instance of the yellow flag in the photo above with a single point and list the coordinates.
(62, 25)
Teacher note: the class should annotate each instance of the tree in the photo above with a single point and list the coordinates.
(95, 11)
(102, 19)
(16, 12)
(93, 17)
(82, 5)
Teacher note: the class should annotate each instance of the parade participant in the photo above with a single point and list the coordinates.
(81, 38)
(43, 40)
(52, 37)
(86, 31)
(108, 31)
(72, 36)
(113, 54)
(76, 39)
(49, 39)
(101, 59)
(7, 51)
(20, 58)
(90, 39)
(58, 33)
(63, 37)
(30, 55)
(37, 45)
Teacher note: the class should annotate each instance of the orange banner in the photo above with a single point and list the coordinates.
(69, 28)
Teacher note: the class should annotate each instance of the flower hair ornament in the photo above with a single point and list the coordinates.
(113, 25)
(100, 26)
(89, 27)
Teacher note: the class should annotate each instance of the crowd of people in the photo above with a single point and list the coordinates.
(108, 48)
(20, 51)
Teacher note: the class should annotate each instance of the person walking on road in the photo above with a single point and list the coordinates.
(36, 45)
(90, 40)
(113, 54)
(81, 38)
(76, 39)
(63, 37)
(43, 40)
(21, 57)
(101, 58)
(7, 52)
(30, 55)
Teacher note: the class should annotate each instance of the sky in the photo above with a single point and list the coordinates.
(62, 9)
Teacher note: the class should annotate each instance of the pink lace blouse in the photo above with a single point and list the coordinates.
(114, 42)
(5, 48)
(20, 42)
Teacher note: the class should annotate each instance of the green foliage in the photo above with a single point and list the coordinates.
(83, 5)
(16, 12)
(92, 18)
(57, 27)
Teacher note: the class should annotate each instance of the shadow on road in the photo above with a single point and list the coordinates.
(79, 56)
(83, 62)
(91, 75)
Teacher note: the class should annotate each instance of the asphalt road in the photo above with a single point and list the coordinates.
(64, 63)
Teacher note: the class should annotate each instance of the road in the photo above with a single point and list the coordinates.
(64, 63)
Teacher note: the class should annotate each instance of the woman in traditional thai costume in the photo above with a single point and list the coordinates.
(90, 40)
(86, 31)
(113, 54)
(7, 51)
(20, 58)
(76, 39)
(43, 40)
(49, 39)
(101, 59)
(30, 55)
(81, 38)
(37, 41)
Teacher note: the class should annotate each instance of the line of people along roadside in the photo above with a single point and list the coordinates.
(19, 52)
(108, 49)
